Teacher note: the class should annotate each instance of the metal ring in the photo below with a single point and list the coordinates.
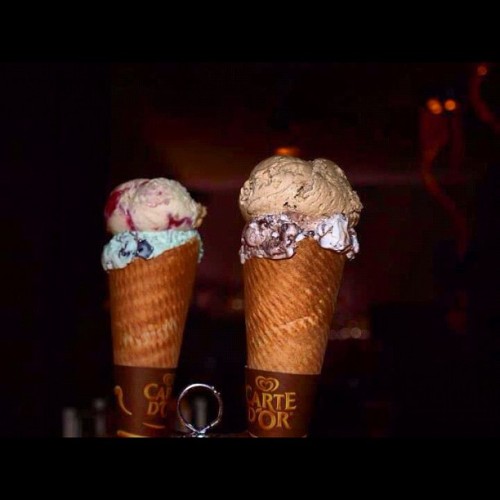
(194, 431)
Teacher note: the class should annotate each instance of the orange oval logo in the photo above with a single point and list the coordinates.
(266, 384)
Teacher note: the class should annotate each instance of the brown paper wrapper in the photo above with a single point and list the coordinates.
(142, 401)
(279, 404)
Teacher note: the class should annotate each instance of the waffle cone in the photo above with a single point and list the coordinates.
(149, 301)
(289, 306)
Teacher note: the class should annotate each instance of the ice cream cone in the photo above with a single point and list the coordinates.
(300, 218)
(289, 307)
(149, 301)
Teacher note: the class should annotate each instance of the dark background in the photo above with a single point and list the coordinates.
(427, 363)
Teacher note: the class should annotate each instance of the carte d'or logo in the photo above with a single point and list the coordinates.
(267, 408)
(158, 395)
(266, 384)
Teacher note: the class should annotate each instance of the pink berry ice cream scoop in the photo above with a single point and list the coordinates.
(152, 205)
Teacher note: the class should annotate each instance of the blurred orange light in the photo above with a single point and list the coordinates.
(237, 304)
(482, 70)
(434, 106)
(450, 105)
(287, 151)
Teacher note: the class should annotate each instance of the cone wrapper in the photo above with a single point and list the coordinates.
(289, 307)
(279, 404)
(149, 301)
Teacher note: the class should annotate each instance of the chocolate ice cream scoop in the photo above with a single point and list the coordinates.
(315, 189)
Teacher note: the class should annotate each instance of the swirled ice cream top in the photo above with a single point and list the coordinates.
(152, 205)
(287, 199)
(148, 217)
(317, 188)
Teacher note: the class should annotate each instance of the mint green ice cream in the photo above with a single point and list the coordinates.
(125, 247)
